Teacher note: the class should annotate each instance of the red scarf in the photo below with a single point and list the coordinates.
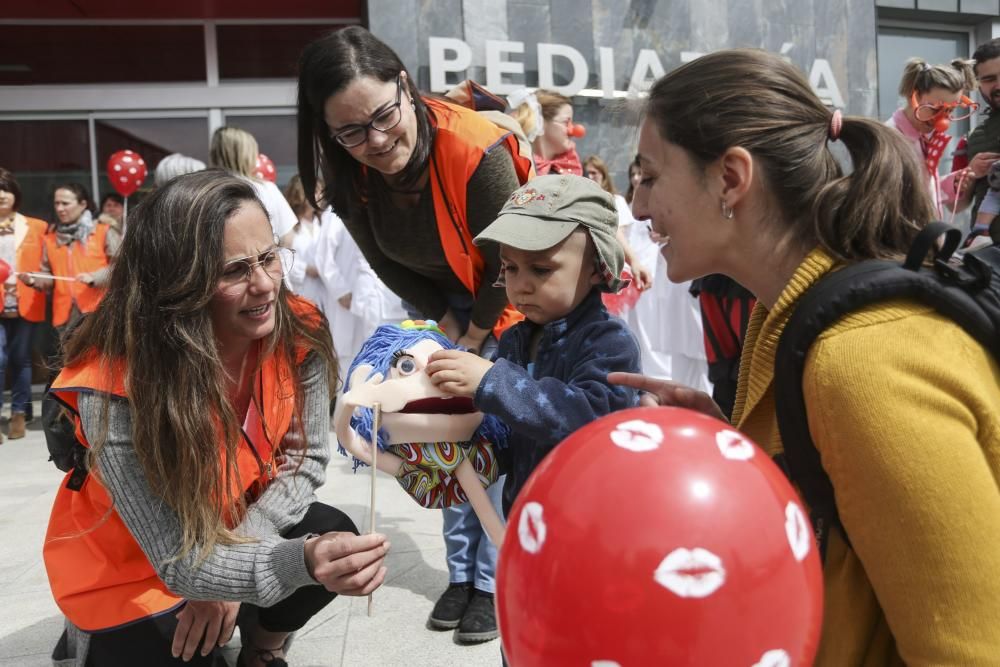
(933, 149)
(564, 163)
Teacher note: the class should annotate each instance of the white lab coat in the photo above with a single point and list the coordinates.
(304, 245)
(666, 320)
(343, 270)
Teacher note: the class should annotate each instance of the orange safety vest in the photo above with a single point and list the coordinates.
(28, 259)
(463, 136)
(72, 260)
(99, 576)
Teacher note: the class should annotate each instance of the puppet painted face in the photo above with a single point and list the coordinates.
(413, 409)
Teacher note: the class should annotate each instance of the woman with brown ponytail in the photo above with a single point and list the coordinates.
(903, 404)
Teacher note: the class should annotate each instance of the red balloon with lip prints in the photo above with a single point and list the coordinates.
(265, 170)
(659, 536)
(126, 171)
(5, 271)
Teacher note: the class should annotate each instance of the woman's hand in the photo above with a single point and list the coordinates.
(86, 279)
(473, 338)
(982, 163)
(643, 277)
(449, 325)
(456, 372)
(26, 279)
(347, 564)
(210, 624)
(664, 392)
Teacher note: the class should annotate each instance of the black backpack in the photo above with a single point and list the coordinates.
(65, 451)
(965, 289)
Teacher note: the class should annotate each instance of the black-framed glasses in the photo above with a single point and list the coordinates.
(236, 274)
(385, 120)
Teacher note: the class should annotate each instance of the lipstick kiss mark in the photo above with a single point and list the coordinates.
(799, 535)
(637, 435)
(691, 573)
(775, 658)
(531, 528)
(733, 445)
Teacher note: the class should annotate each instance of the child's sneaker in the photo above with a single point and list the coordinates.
(479, 623)
(450, 607)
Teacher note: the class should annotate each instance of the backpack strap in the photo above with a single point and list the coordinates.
(966, 292)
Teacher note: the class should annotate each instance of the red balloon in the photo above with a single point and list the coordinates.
(5, 271)
(659, 536)
(126, 171)
(265, 170)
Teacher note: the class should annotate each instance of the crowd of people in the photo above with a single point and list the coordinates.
(202, 343)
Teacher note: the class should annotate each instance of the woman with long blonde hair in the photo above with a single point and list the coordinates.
(200, 391)
(236, 151)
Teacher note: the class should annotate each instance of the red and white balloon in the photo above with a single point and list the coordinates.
(659, 536)
(126, 171)
(265, 170)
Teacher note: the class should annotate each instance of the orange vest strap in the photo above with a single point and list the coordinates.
(461, 140)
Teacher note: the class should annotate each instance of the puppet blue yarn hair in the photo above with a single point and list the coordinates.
(377, 352)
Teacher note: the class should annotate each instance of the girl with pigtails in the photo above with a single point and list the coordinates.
(935, 95)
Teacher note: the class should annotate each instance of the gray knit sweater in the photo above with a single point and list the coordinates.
(262, 572)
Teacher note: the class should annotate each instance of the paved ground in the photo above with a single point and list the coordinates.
(342, 635)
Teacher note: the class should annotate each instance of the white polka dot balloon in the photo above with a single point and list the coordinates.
(126, 172)
(659, 536)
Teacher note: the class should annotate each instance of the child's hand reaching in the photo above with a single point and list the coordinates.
(457, 373)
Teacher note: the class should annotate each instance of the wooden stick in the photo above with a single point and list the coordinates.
(376, 424)
(43, 275)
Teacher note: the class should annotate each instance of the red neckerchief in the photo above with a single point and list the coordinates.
(564, 163)
(933, 148)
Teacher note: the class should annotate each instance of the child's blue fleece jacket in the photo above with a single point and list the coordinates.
(569, 386)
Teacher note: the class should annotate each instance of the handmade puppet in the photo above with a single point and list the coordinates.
(438, 447)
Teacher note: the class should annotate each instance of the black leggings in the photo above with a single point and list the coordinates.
(148, 642)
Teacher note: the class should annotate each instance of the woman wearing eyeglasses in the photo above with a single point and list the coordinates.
(200, 387)
(414, 179)
(935, 96)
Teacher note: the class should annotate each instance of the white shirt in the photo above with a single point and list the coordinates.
(283, 219)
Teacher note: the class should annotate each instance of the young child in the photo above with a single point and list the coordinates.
(990, 208)
(549, 375)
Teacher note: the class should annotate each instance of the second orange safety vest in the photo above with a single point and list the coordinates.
(69, 261)
(462, 139)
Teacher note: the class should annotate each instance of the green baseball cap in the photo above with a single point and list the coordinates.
(547, 209)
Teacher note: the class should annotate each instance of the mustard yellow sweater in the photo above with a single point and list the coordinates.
(904, 407)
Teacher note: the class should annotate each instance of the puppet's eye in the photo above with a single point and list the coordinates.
(404, 363)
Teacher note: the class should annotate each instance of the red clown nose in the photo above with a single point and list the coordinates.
(576, 131)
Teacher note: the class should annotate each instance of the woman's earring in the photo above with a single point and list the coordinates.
(727, 212)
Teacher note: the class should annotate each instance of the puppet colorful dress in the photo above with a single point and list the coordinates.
(426, 436)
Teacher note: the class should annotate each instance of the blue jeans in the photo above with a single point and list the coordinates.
(15, 349)
(471, 555)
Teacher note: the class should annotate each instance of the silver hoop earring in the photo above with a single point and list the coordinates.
(727, 212)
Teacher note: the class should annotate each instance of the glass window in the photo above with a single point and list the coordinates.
(264, 51)
(36, 54)
(151, 138)
(276, 138)
(43, 154)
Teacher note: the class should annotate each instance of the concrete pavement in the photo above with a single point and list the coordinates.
(342, 634)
